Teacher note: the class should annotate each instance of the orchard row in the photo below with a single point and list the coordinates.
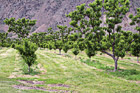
(85, 34)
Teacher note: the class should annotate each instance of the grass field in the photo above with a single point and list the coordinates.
(64, 74)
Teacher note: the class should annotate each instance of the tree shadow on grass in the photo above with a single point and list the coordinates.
(97, 64)
(129, 74)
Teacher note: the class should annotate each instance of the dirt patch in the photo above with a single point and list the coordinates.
(112, 70)
(31, 82)
(100, 70)
(58, 85)
(28, 88)
(122, 67)
(26, 76)
(138, 82)
(39, 88)
(42, 82)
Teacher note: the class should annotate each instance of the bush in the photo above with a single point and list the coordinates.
(27, 50)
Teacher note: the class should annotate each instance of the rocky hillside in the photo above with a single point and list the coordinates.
(48, 13)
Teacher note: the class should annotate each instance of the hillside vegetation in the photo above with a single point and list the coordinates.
(63, 72)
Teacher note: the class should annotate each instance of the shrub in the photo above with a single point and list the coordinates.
(27, 50)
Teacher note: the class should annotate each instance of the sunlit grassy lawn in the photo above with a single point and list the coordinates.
(7, 65)
(81, 77)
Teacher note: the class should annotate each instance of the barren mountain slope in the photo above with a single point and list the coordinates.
(48, 13)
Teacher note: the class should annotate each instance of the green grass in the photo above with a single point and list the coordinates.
(129, 74)
(82, 75)
(8, 62)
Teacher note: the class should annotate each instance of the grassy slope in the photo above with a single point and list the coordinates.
(67, 70)
(8, 62)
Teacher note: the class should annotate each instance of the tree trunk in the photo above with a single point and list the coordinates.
(29, 69)
(116, 64)
(115, 59)
(129, 54)
(90, 58)
(75, 57)
(137, 59)
(59, 52)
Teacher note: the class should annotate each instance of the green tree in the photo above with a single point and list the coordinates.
(41, 38)
(81, 44)
(3, 37)
(90, 51)
(135, 48)
(35, 38)
(62, 31)
(65, 47)
(61, 37)
(50, 31)
(27, 50)
(88, 21)
(50, 45)
(75, 49)
(115, 11)
(53, 38)
(59, 44)
(9, 42)
(21, 27)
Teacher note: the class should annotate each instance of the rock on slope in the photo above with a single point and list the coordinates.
(48, 13)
